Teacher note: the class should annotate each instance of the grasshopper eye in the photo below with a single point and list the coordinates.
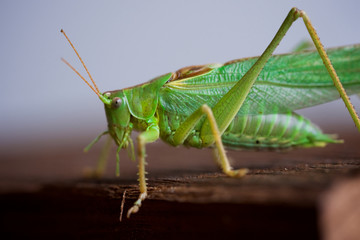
(116, 102)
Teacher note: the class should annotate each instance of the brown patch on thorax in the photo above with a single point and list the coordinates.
(190, 71)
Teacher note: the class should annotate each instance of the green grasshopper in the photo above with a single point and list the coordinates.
(242, 103)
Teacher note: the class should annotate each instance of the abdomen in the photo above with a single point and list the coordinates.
(274, 131)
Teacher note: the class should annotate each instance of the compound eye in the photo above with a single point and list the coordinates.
(116, 102)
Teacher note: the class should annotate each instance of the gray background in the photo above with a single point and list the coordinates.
(125, 43)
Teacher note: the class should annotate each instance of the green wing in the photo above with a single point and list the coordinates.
(287, 82)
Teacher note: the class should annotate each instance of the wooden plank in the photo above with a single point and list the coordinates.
(188, 198)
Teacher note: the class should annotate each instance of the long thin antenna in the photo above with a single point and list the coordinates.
(92, 80)
(66, 62)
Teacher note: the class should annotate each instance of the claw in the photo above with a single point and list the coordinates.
(92, 173)
(133, 209)
(137, 205)
(237, 173)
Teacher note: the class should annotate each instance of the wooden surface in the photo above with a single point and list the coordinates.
(287, 195)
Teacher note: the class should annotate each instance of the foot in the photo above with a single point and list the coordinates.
(237, 173)
(137, 205)
(93, 173)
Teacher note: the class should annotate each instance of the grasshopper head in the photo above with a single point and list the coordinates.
(117, 112)
(118, 116)
(116, 109)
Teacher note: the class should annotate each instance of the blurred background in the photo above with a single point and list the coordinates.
(45, 105)
(48, 115)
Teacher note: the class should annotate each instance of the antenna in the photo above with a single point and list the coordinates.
(67, 63)
(92, 80)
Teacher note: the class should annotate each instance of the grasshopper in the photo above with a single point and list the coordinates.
(242, 103)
